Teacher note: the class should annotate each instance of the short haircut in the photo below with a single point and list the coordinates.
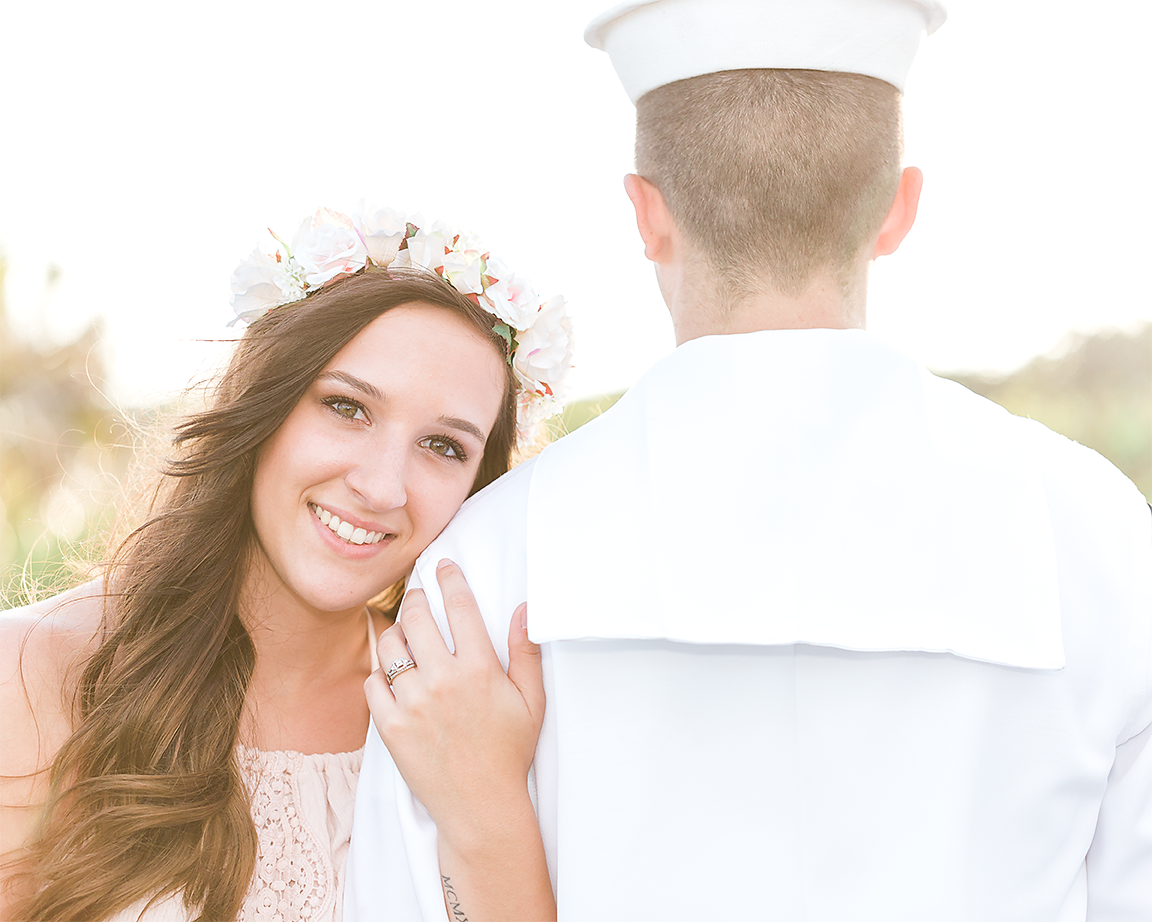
(774, 175)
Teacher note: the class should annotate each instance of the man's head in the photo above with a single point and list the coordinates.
(768, 145)
(773, 176)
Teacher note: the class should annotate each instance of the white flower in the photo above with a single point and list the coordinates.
(328, 250)
(544, 351)
(329, 244)
(510, 298)
(256, 286)
(290, 279)
(382, 231)
(462, 269)
(425, 250)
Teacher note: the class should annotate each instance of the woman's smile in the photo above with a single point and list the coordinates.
(346, 530)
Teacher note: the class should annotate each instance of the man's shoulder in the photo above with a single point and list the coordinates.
(506, 493)
(1101, 530)
(488, 539)
(1071, 471)
(1077, 474)
(507, 497)
(494, 520)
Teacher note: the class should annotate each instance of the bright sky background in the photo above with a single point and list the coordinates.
(146, 147)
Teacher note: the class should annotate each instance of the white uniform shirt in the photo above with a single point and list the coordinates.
(825, 638)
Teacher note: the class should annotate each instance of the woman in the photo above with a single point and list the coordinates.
(191, 724)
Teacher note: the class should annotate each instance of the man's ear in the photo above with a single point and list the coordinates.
(653, 220)
(902, 213)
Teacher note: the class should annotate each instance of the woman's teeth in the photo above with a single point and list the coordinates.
(346, 530)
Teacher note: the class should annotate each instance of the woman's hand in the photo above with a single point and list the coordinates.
(461, 731)
(463, 734)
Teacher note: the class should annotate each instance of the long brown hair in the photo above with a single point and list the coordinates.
(146, 796)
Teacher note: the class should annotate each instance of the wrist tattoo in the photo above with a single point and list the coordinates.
(452, 901)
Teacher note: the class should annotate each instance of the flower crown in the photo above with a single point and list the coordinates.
(329, 245)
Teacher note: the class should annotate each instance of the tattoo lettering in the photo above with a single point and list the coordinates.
(452, 901)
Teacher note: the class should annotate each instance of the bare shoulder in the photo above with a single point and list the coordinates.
(42, 650)
(42, 647)
(40, 643)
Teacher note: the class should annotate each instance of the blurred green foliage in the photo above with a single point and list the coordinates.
(577, 413)
(1098, 392)
(62, 456)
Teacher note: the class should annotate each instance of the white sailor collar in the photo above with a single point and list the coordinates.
(797, 486)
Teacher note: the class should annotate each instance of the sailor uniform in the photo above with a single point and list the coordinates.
(825, 637)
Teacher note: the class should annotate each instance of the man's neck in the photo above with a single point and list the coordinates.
(700, 310)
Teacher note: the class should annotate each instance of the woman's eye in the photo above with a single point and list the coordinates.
(449, 448)
(349, 409)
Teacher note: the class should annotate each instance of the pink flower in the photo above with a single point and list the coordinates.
(509, 297)
(544, 351)
(325, 250)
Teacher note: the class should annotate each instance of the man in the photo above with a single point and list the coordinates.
(824, 636)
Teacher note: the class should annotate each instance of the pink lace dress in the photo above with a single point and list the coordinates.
(302, 808)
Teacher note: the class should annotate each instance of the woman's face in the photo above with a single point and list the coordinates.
(375, 459)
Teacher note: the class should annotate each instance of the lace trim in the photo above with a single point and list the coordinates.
(294, 879)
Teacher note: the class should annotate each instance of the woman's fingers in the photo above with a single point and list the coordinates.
(524, 667)
(464, 619)
(460, 731)
(392, 642)
(381, 701)
(392, 650)
(420, 629)
(469, 634)
(377, 689)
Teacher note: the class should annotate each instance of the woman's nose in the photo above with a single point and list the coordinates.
(379, 479)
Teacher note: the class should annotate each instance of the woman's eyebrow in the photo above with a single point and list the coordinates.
(464, 426)
(352, 381)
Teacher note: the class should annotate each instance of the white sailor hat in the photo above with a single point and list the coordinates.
(654, 42)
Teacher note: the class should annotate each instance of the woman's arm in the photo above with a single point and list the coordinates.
(497, 871)
(463, 734)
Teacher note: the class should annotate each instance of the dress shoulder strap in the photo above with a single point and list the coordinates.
(372, 640)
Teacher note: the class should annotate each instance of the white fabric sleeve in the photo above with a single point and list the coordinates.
(1120, 859)
(393, 869)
